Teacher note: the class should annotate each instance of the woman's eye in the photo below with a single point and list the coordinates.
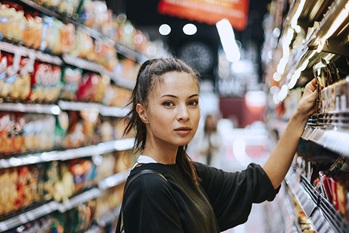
(168, 104)
(194, 103)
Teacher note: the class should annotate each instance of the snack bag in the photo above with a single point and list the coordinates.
(71, 78)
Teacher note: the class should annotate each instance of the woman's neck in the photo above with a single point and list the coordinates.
(161, 156)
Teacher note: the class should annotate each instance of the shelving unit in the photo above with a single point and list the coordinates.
(13, 161)
(312, 43)
(53, 206)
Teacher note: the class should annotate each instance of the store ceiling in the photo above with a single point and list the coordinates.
(144, 15)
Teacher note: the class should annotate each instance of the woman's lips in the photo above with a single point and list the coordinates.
(183, 131)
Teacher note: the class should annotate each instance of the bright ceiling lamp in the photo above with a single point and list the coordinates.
(164, 29)
(189, 29)
(227, 37)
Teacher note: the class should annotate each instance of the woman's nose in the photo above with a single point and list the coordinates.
(183, 113)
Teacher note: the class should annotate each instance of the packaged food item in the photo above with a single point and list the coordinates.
(106, 130)
(81, 217)
(3, 65)
(50, 178)
(29, 133)
(18, 132)
(140, 41)
(71, 78)
(127, 32)
(74, 136)
(13, 23)
(57, 37)
(23, 190)
(68, 7)
(116, 96)
(105, 55)
(91, 88)
(61, 127)
(67, 37)
(21, 87)
(83, 45)
(11, 74)
(84, 173)
(8, 191)
(59, 223)
(15, 77)
(54, 85)
(6, 128)
(106, 167)
(38, 80)
(47, 137)
(32, 33)
(64, 187)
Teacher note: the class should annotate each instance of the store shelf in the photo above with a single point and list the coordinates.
(78, 199)
(84, 64)
(28, 216)
(113, 180)
(32, 108)
(53, 206)
(321, 213)
(121, 49)
(54, 109)
(334, 140)
(26, 52)
(101, 148)
(109, 217)
(102, 109)
(130, 53)
(290, 215)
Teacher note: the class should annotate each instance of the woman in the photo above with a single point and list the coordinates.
(193, 197)
(208, 145)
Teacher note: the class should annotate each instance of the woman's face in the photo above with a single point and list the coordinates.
(173, 113)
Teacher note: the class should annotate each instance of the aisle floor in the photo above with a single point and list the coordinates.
(254, 224)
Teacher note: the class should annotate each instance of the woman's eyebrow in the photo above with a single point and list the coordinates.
(173, 96)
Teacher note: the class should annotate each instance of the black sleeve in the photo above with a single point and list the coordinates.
(150, 207)
(233, 193)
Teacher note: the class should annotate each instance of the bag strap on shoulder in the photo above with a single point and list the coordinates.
(120, 225)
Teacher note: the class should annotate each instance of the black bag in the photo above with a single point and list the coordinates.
(120, 226)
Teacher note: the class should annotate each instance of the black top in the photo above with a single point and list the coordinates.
(223, 200)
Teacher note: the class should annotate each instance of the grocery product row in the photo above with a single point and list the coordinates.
(89, 29)
(33, 191)
(23, 133)
(307, 40)
(27, 80)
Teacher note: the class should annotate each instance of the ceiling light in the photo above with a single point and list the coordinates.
(227, 37)
(189, 29)
(164, 29)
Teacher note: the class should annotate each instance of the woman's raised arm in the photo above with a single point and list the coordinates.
(281, 157)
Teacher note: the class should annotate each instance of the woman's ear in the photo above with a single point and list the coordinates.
(142, 113)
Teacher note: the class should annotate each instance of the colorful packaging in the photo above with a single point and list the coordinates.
(6, 128)
(91, 88)
(71, 78)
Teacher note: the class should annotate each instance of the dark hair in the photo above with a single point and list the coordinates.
(149, 74)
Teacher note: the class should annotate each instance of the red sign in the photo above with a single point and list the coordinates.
(208, 11)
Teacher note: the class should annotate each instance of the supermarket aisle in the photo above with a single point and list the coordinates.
(241, 147)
